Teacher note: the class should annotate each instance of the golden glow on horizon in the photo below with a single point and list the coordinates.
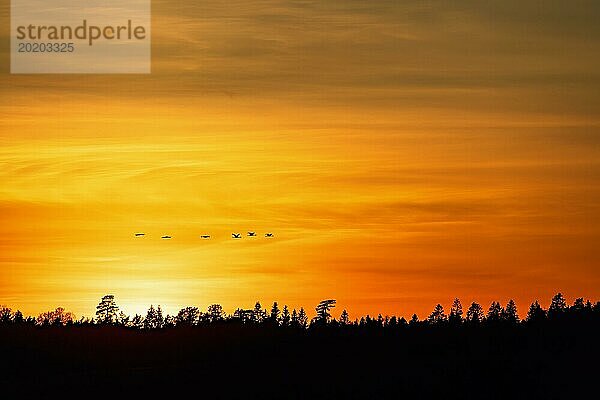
(396, 173)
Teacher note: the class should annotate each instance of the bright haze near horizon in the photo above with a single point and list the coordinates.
(403, 153)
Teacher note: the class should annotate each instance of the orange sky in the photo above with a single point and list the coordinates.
(402, 155)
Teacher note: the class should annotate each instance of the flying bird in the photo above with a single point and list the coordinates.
(140, 234)
(251, 233)
(236, 235)
(205, 236)
(166, 237)
(270, 235)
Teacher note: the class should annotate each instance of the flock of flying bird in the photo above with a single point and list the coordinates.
(233, 235)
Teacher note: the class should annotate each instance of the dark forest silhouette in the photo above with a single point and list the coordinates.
(108, 313)
(278, 353)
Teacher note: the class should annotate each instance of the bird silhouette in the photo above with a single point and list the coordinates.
(205, 236)
(269, 235)
(166, 237)
(140, 234)
(251, 233)
(236, 235)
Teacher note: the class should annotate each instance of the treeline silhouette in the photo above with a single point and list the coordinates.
(108, 313)
(276, 352)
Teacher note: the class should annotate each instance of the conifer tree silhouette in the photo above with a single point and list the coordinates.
(414, 320)
(536, 313)
(285, 317)
(495, 312)
(302, 318)
(510, 312)
(323, 309)
(437, 316)
(274, 317)
(107, 309)
(344, 318)
(258, 314)
(215, 312)
(187, 316)
(578, 305)
(160, 320)
(474, 313)
(456, 313)
(557, 307)
(151, 320)
(18, 317)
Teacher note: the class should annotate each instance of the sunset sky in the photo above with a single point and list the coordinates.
(403, 154)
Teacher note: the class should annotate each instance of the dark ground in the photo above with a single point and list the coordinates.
(230, 361)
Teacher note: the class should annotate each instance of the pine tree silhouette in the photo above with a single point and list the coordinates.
(285, 317)
(474, 313)
(437, 316)
(510, 312)
(107, 310)
(536, 313)
(344, 318)
(456, 313)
